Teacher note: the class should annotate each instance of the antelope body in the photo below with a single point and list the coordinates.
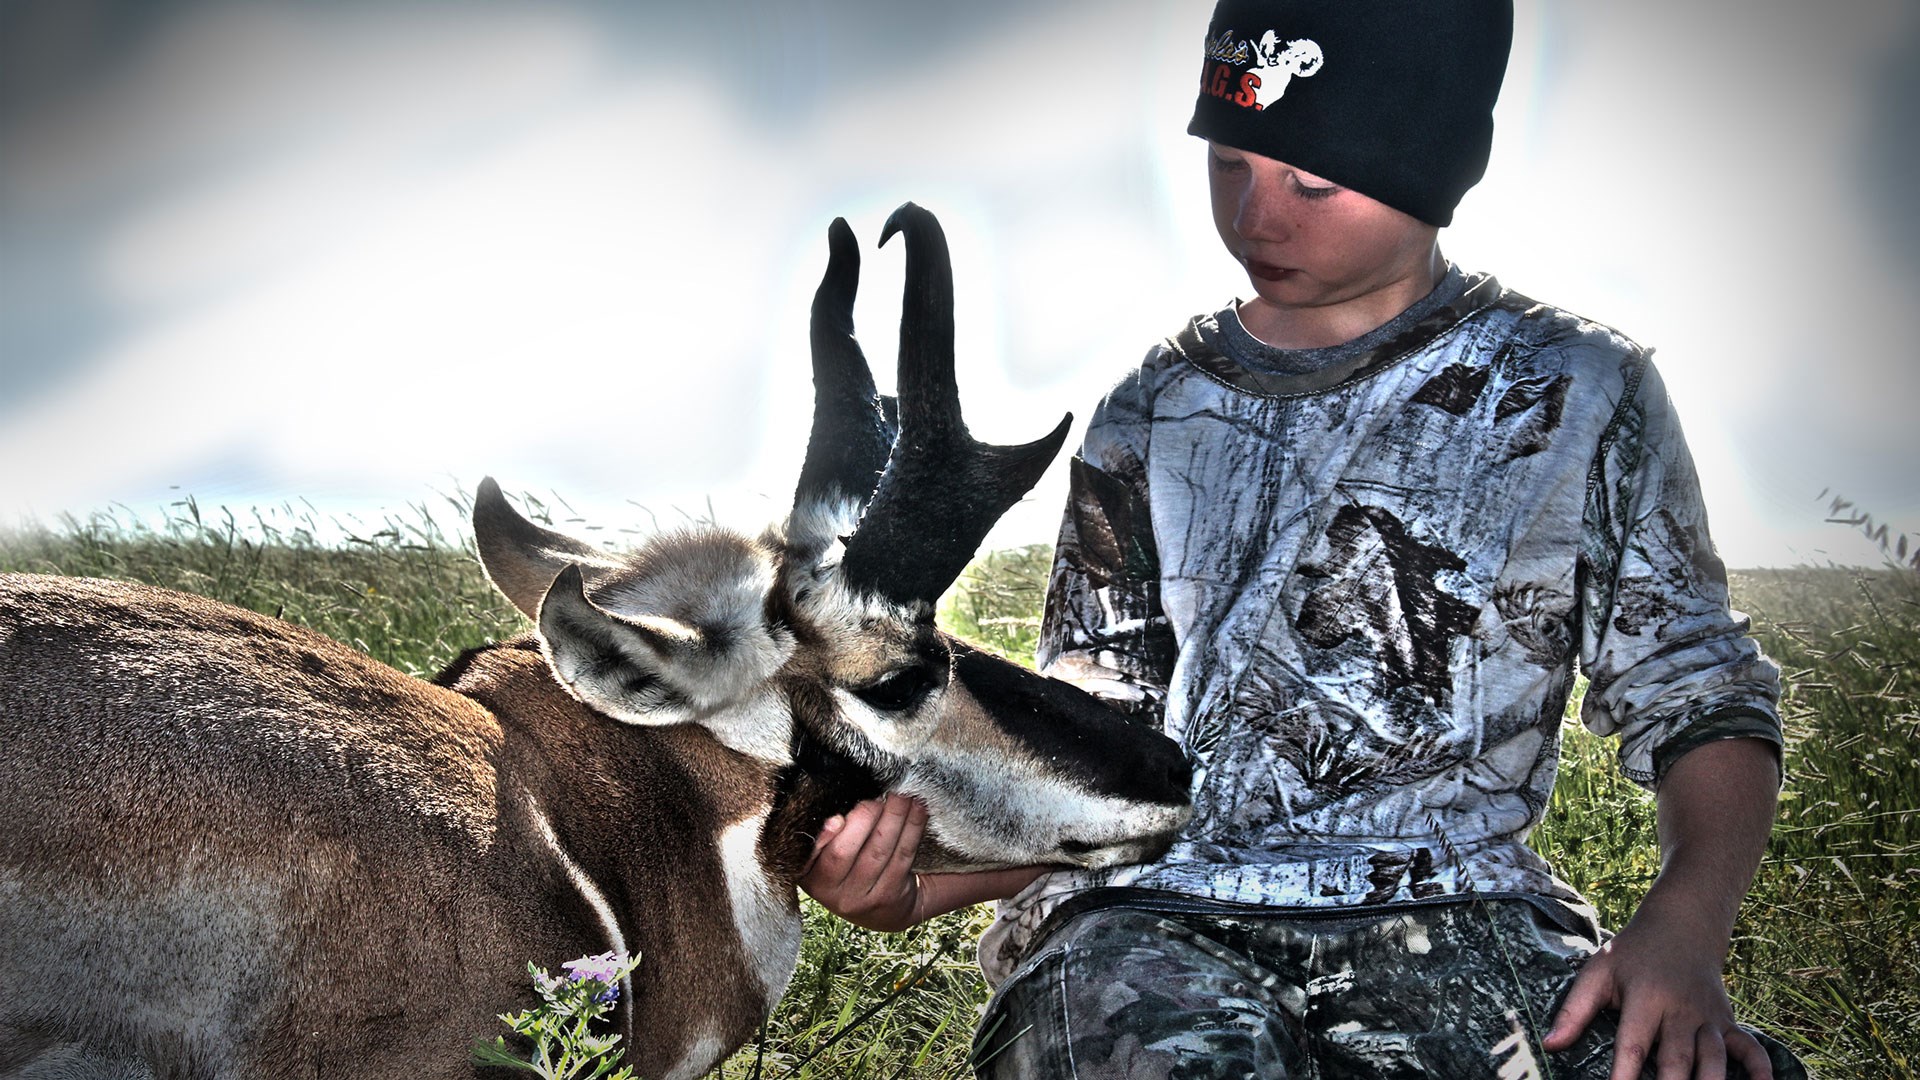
(237, 848)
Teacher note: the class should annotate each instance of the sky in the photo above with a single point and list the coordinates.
(356, 256)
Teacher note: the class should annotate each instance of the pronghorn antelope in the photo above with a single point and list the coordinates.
(237, 849)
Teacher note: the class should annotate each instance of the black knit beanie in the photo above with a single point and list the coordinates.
(1392, 98)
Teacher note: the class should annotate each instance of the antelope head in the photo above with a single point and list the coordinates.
(813, 646)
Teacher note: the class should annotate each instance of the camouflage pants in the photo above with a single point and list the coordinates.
(1446, 991)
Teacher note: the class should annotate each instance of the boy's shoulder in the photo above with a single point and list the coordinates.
(1485, 324)
(1485, 339)
(1549, 333)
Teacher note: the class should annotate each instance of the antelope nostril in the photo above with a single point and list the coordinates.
(1180, 773)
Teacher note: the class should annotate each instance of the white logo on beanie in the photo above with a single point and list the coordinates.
(1270, 63)
(1278, 63)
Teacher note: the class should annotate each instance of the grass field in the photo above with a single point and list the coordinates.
(1828, 948)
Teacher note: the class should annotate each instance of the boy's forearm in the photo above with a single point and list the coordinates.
(1662, 972)
(1715, 811)
(941, 893)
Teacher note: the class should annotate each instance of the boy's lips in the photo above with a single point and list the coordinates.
(1266, 271)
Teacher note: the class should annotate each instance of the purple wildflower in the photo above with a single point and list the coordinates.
(604, 968)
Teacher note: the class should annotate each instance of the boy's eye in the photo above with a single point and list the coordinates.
(1312, 191)
(1221, 164)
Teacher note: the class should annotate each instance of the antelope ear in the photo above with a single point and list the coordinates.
(521, 558)
(649, 669)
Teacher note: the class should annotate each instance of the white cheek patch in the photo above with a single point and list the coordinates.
(1007, 809)
(765, 917)
(990, 800)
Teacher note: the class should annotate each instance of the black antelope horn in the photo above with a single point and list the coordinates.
(942, 490)
(852, 426)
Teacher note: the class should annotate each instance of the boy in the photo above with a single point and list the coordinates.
(1345, 541)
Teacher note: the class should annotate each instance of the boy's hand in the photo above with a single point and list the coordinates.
(1662, 971)
(1673, 1005)
(862, 869)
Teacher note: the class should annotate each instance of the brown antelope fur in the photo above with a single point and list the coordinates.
(394, 868)
(237, 849)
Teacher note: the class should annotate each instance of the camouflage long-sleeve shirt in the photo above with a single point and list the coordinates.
(1355, 586)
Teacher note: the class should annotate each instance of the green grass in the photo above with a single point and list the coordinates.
(1827, 954)
(1830, 947)
(400, 590)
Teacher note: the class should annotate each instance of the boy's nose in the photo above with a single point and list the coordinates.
(1262, 211)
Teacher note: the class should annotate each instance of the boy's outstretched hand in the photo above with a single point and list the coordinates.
(1674, 1012)
(862, 869)
(1662, 972)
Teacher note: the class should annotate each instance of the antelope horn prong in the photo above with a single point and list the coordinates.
(942, 490)
(927, 388)
(852, 433)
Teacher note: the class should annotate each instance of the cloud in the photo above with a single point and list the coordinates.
(283, 249)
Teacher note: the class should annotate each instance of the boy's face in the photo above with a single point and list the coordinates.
(1307, 242)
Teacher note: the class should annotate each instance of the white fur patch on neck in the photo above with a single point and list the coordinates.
(590, 892)
(764, 915)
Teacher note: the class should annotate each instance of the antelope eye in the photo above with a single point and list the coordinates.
(899, 691)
